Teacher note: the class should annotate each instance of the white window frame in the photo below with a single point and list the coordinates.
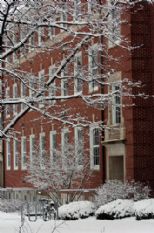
(93, 166)
(42, 150)
(16, 154)
(116, 106)
(32, 148)
(15, 95)
(76, 74)
(53, 147)
(8, 154)
(64, 146)
(23, 152)
(112, 41)
(93, 85)
(79, 142)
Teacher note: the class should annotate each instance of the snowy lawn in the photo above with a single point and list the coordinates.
(10, 223)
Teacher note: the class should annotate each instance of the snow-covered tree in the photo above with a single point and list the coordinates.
(28, 29)
(55, 174)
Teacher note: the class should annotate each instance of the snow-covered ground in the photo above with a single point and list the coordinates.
(10, 223)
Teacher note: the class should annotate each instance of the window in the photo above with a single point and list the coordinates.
(94, 147)
(8, 154)
(78, 73)
(32, 85)
(41, 80)
(23, 153)
(64, 83)
(64, 15)
(52, 88)
(93, 68)
(53, 146)
(16, 154)
(77, 9)
(40, 35)
(9, 57)
(65, 87)
(7, 106)
(42, 150)
(116, 104)
(79, 145)
(32, 148)
(113, 23)
(64, 144)
(51, 32)
(15, 95)
(32, 42)
(23, 34)
(93, 6)
(23, 93)
(41, 85)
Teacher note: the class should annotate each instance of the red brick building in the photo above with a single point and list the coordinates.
(125, 150)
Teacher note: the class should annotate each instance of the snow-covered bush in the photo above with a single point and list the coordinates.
(116, 189)
(116, 210)
(9, 206)
(76, 210)
(144, 209)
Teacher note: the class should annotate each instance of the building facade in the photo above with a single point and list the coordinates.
(124, 149)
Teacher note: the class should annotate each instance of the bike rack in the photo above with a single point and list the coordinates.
(42, 208)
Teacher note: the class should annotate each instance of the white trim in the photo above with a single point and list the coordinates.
(8, 154)
(16, 154)
(23, 153)
(92, 165)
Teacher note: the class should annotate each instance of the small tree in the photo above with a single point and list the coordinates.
(116, 189)
(66, 171)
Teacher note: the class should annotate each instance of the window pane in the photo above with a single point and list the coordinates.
(96, 137)
(96, 155)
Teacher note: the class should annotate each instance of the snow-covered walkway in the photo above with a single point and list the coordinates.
(10, 223)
